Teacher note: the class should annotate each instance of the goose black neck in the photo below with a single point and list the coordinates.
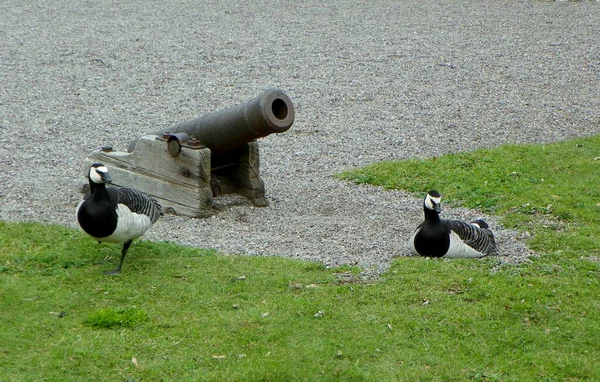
(431, 216)
(98, 189)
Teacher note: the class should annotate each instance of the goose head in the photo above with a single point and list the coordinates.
(99, 174)
(433, 200)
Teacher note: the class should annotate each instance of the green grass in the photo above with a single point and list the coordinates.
(550, 190)
(179, 313)
(112, 318)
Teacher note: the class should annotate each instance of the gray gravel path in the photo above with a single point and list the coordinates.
(370, 81)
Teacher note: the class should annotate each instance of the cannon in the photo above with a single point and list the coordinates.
(196, 167)
(226, 130)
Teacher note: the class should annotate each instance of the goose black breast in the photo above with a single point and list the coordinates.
(432, 240)
(97, 215)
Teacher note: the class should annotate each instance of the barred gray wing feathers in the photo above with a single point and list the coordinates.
(480, 239)
(139, 203)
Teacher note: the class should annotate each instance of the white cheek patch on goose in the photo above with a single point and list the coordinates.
(431, 202)
(94, 176)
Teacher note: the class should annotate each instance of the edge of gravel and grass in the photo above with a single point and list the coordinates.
(548, 191)
(179, 312)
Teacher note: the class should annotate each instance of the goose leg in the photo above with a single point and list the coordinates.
(117, 270)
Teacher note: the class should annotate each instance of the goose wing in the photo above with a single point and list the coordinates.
(139, 203)
(480, 239)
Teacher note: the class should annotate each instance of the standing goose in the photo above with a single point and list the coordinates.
(437, 237)
(115, 215)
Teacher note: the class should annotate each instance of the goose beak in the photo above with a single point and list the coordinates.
(105, 177)
(438, 208)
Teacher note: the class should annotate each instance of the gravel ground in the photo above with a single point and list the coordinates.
(370, 81)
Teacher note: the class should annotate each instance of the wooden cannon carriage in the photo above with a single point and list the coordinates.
(186, 166)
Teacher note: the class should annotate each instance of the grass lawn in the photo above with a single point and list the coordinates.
(178, 313)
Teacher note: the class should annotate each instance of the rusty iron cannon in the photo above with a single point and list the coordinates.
(191, 166)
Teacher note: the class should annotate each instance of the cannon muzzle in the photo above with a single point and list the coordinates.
(225, 130)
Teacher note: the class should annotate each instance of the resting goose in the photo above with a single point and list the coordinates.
(115, 215)
(437, 237)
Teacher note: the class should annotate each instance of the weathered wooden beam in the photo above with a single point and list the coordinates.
(181, 184)
(189, 183)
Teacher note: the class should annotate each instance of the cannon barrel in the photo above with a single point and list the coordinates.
(225, 130)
